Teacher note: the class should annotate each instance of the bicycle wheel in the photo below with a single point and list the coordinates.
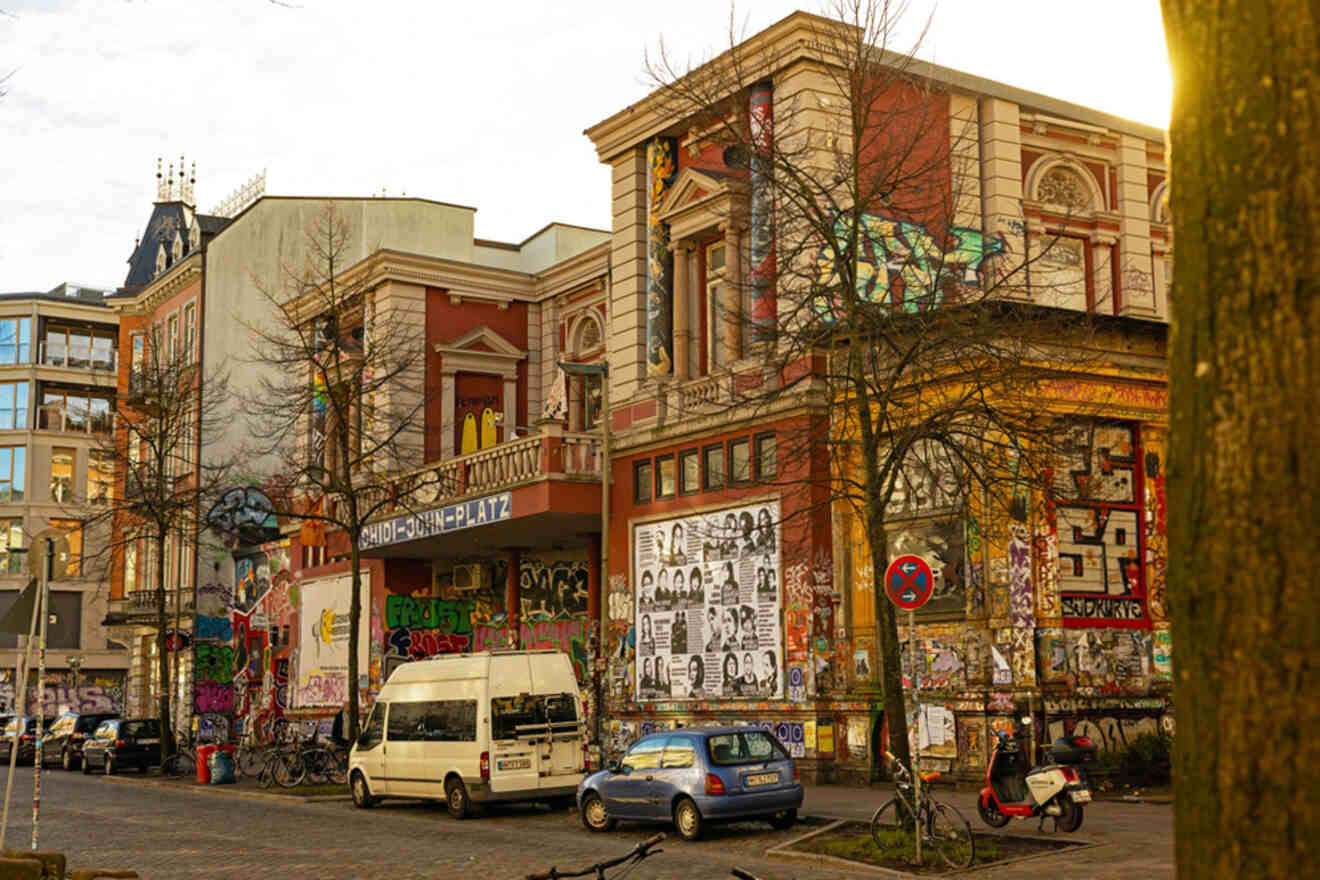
(290, 770)
(179, 764)
(317, 762)
(951, 836)
(892, 827)
(337, 772)
(248, 761)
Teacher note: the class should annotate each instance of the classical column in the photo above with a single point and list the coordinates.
(447, 428)
(731, 295)
(682, 312)
(510, 406)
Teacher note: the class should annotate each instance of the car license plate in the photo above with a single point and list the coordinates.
(515, 764)
(1080, 796)
(154, 741)
(761, 779)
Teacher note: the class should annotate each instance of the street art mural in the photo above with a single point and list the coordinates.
(761, 200)
(904, 264)
(553, 603)
(660, 172)
(262, 611)
(324, 615)
(1098, 517)
(94, 691)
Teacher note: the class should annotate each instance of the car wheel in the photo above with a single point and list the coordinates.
(109, 766)
(361, 794)
(687, 819)
(594, 815)
(456, 798)
(783, 820)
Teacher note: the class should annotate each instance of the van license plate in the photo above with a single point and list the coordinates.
(762, 779)
(1080, 796)
(515, 764)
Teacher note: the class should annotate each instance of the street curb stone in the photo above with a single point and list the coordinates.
(224, 791)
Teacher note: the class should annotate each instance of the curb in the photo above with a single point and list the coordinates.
(224, 791)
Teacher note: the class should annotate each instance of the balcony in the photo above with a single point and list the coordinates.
(90, 358)
(552, 482)
(139, 607)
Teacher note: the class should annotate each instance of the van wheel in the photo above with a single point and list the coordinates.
(594, 815)
(456, 798)
(687, 819)
(361, 794)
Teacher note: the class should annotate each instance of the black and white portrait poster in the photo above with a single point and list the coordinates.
(708, 592)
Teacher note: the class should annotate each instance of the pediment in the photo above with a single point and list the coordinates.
(481, 350)
(694, 188)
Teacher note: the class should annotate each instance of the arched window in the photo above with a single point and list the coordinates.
(588, 335)
(1063, 186)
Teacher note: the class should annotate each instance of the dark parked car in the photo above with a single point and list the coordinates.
(123, 742)
(21, 729)
(693, 777)
(64, 741)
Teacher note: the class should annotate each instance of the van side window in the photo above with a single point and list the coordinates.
(434, 721)
(374, 730)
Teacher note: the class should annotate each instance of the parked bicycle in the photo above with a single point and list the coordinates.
(942, 828)
(636, 854)
(184, 760)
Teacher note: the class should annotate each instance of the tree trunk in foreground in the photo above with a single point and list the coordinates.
(1244, 481)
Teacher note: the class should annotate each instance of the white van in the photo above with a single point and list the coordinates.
(474, 728)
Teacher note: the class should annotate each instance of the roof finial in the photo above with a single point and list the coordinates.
(169, 189)
(160, 181)
(186, 184)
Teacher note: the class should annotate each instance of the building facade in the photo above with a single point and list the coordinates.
(58, 357)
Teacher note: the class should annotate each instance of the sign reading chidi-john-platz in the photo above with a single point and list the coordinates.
(442, 520)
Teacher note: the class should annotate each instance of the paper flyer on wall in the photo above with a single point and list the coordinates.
(708, 606)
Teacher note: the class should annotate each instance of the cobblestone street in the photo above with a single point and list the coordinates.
(164, 833)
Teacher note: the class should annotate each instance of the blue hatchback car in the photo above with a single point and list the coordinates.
(695, 776)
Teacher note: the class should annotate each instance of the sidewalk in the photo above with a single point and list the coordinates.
(245, 787)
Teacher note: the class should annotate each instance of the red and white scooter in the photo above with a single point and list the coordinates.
(1057, 788)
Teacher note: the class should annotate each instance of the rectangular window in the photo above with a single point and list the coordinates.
(642, 482)
(689, 472)
(766, 466)
(664, 476)
(713, 467)
(74, 529)
(744, 747)
(190, 333)
(740, 461)
(12, 536)
(61, 474)
(100, 476)
(373, 732)
(138, 359)
(13, 405)
(15, 340)
(172, 338)
(13, 472)
(103, 351)
(80, 349)
(531, 715)
(130, 564)
(433, 721)
(7, 600)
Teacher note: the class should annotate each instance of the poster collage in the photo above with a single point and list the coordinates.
(707, 594)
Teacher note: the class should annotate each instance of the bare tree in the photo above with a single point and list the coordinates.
(169, 412)
(1244, 377)
(338, 413)
(875, 298)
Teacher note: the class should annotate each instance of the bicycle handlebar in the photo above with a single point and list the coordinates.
(650, 842)
(638, 852)
(741, 874)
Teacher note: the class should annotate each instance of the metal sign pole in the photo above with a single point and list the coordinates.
(21, 710)
(47, 563)
(916, 753)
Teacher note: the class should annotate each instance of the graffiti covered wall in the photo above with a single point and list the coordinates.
(322, 662)
(251, 672)
(94, 691)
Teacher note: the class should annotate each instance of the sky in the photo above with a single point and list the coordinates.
(479, 104)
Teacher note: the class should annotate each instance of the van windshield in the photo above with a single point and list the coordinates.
(531, 714)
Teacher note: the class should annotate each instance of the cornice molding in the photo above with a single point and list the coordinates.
(179, 276)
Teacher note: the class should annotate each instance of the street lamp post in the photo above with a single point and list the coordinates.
(602, 370)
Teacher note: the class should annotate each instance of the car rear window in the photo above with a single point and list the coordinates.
(136, 729)
(87, 723)
(744, 747)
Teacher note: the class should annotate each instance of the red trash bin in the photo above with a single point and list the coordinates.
(203, 767)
